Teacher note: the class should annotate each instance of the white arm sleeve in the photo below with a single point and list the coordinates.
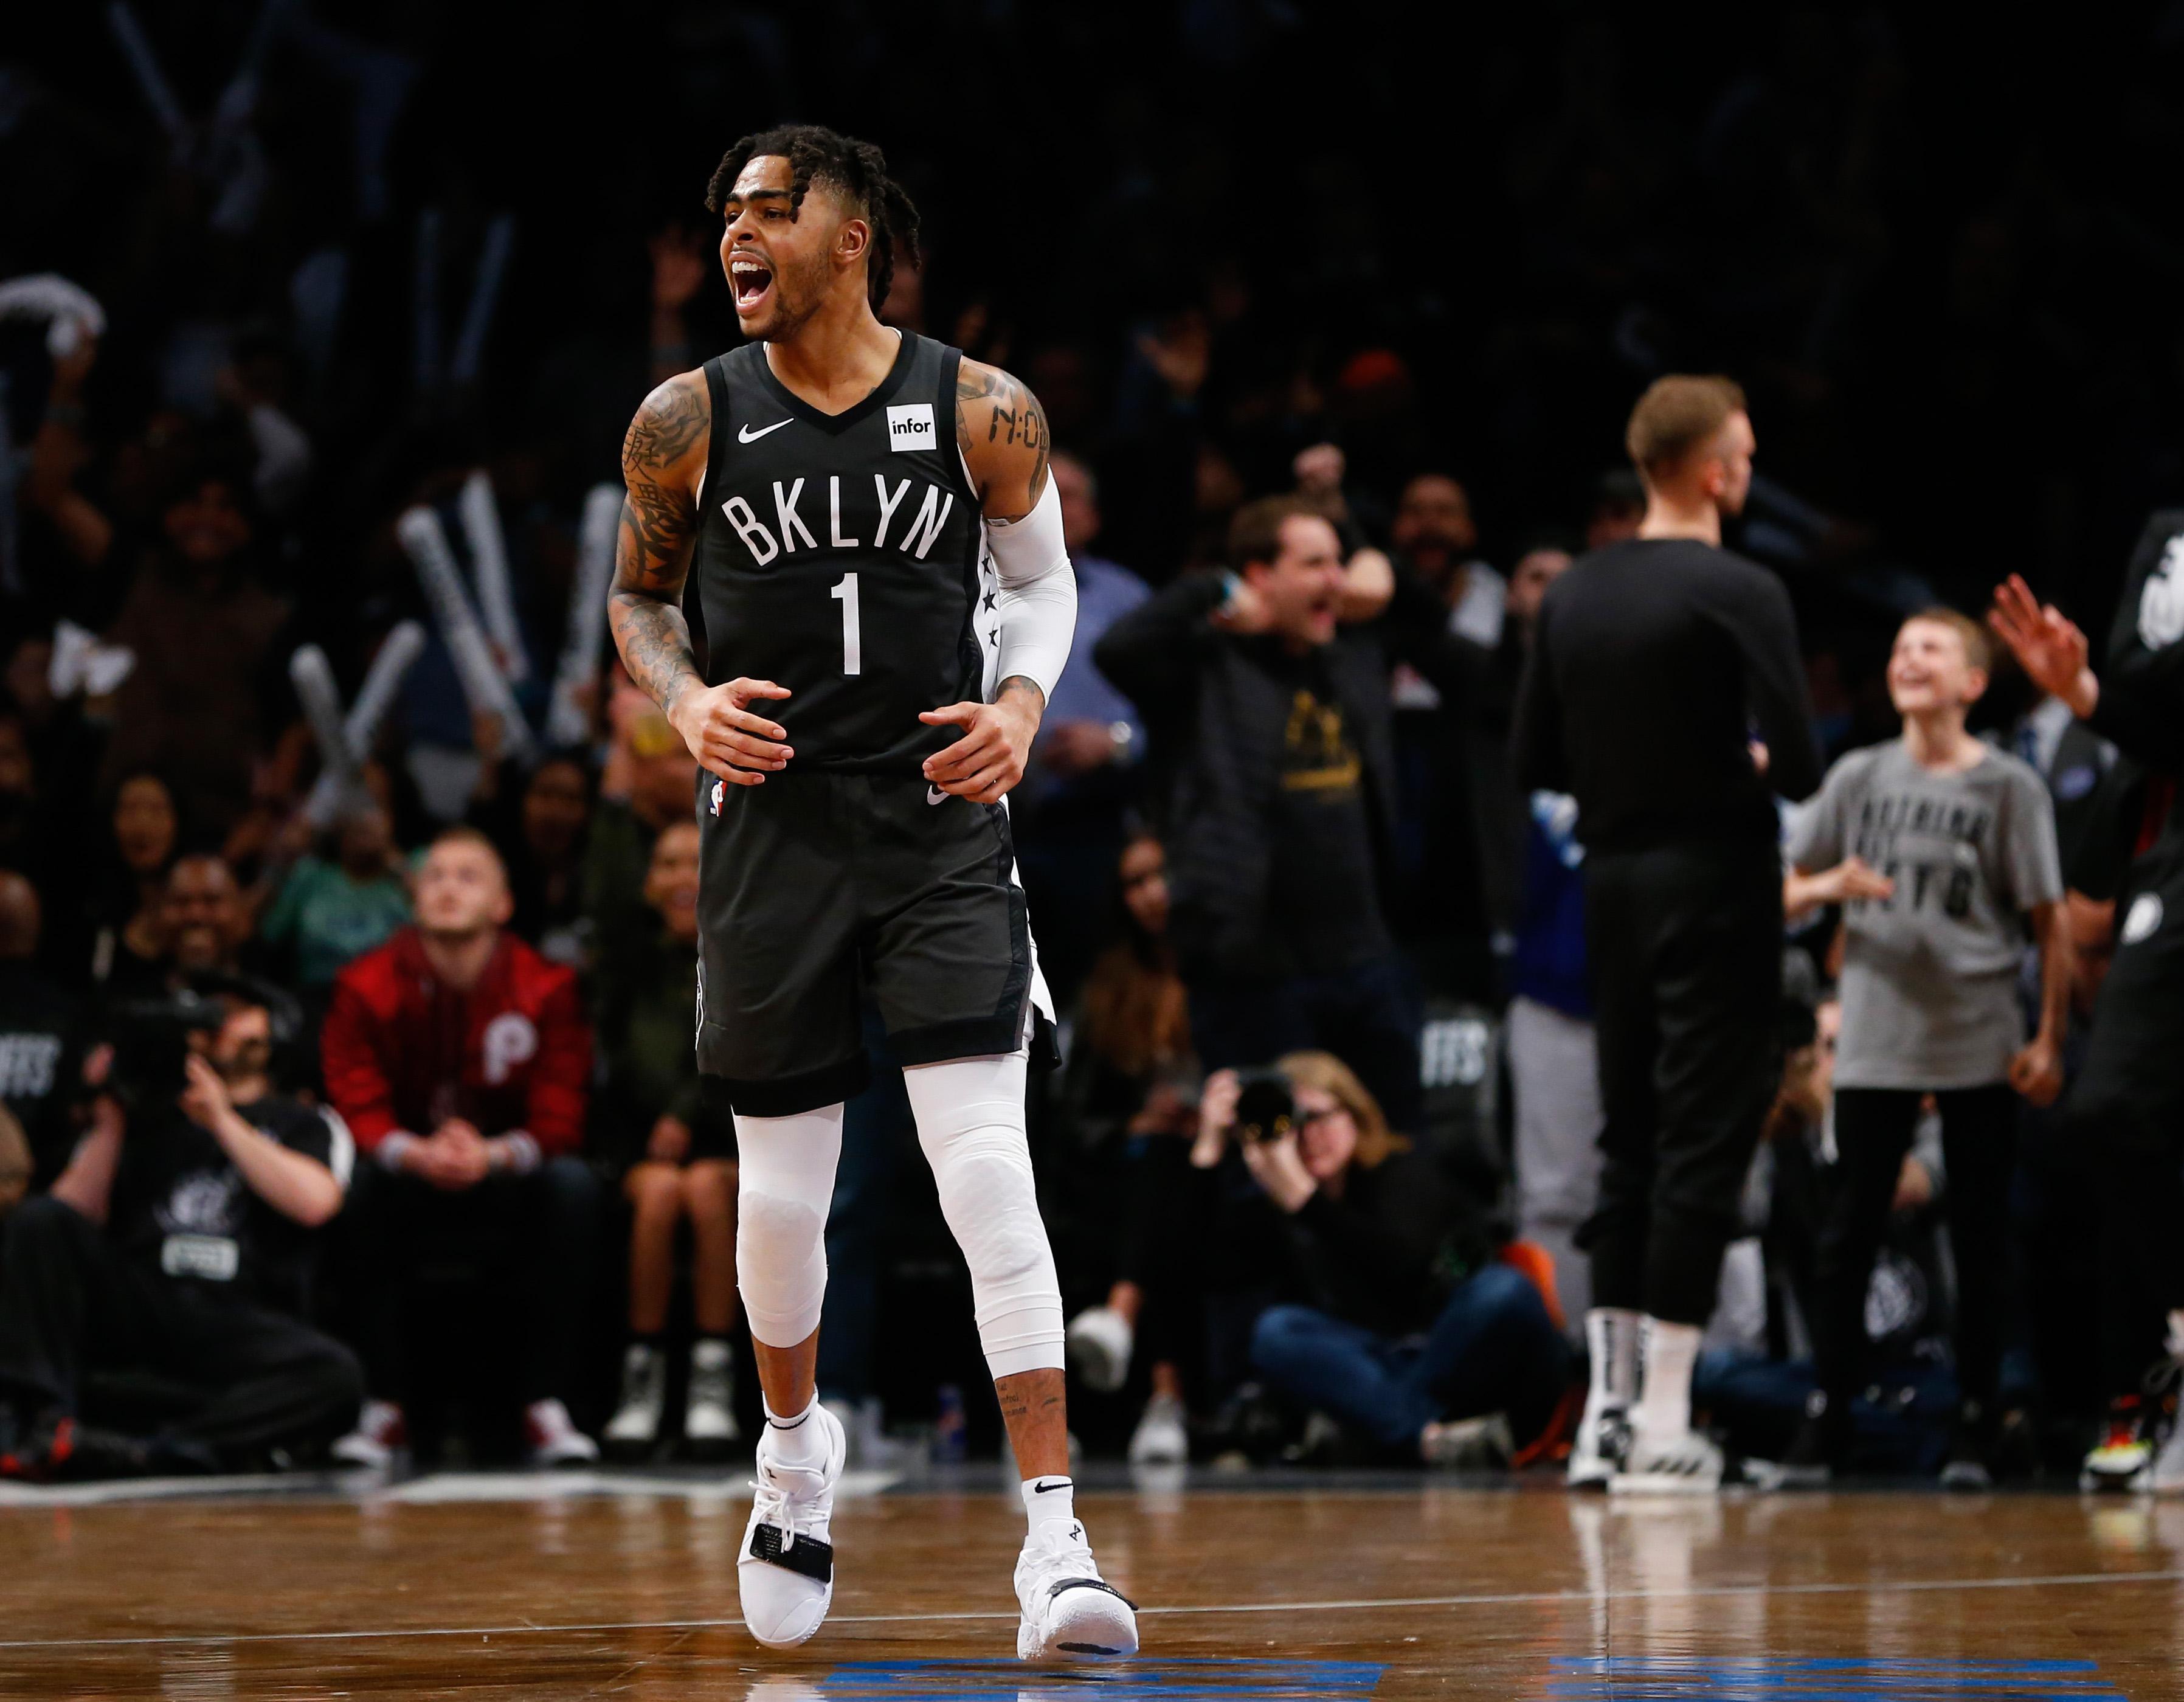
(1037, 606)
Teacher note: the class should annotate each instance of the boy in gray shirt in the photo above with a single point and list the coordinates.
(1942, 850)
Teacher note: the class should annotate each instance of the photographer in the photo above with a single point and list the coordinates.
(178, 1243)
(1389, 1322)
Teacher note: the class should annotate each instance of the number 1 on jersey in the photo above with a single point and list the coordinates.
(853, 644)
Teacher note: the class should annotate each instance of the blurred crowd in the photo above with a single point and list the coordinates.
(347, 890)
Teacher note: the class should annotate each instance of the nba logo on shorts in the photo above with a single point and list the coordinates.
(910, 427)
(720, 791)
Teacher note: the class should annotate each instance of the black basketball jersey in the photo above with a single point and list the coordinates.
(838, 556)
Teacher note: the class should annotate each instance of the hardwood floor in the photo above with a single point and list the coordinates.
(625, 1587)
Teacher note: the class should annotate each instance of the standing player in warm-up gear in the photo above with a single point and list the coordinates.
(845, 539)
(1653, 662)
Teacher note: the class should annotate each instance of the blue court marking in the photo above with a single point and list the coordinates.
(1154, 1681)
(1863, 1678)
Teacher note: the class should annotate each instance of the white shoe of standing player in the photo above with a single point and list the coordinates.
(1069, 1611)
(1603, 1438)
(785, 1571)
(1685, 1463)
(554, 1436)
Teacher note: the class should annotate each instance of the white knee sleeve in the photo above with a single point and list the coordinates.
(785, 1171)
(971, 1123)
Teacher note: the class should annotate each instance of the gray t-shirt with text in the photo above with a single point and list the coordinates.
(1930, 975)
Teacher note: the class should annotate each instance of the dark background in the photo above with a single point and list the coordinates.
(1946, 259)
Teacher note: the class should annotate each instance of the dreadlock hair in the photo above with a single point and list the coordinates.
(855, 170)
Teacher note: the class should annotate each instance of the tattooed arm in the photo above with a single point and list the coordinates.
(663, 461)
(1001, 430)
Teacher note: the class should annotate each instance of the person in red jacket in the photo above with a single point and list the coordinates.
(460, 1058)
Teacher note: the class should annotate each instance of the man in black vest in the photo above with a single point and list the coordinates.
(1665, 692)
(1270, 732)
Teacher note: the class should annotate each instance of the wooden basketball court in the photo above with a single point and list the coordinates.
(623, 1585)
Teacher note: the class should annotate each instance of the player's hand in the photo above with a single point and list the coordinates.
(669, 1140)
(2048, 645)
(988, 759)
(726, 736)
(2037, 1072)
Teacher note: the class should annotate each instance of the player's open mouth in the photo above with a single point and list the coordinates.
(752, 279)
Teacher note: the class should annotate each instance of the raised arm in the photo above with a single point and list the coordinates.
(663, 462)
(1001, 430)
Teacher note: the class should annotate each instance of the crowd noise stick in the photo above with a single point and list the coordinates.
(71, 312)
(484, 686)
(397, 653)
(137, 48)
(313, 677)
(485, 299)
(480, 517)
(567, 722)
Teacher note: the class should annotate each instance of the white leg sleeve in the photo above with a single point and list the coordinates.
(971, 1123)
(785, 1181)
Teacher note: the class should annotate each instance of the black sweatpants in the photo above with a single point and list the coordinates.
(69, 1302)
(1874, 1129)
(530, 1241)
(1686, 944)
(2128, 1105)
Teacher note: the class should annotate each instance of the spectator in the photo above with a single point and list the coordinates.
(331, 910)
(1943, 852)
(1130, 1084)
(650, 782)
(460, 1057)
(38, 1033)
(676, 1155)
(1354, 1233)
(1067, 814)
(542, 845)
(1270, 732)
(1434, 532)
(208, 691)
(146, 828)
(179, 1242)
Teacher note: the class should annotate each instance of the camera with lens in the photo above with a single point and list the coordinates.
(1266, 1106)
(151, 1042)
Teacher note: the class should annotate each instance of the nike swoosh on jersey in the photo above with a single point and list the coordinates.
(933, 795)
(746, 435)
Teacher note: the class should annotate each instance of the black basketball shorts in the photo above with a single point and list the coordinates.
(817, 889)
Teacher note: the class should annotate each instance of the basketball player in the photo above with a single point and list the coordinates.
(852, 498)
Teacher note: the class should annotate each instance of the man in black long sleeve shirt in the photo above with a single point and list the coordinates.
(1660, 667)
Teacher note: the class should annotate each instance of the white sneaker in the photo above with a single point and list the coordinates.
(709, 1418)
(1471, 1444)
(785, 1571)
(1068, 1609)
(554, 1436)
(379, 1432)
(1603, 1440)
(1686, 1464)
(1098, 1343)
(635, 1425)
(1163, 1437)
